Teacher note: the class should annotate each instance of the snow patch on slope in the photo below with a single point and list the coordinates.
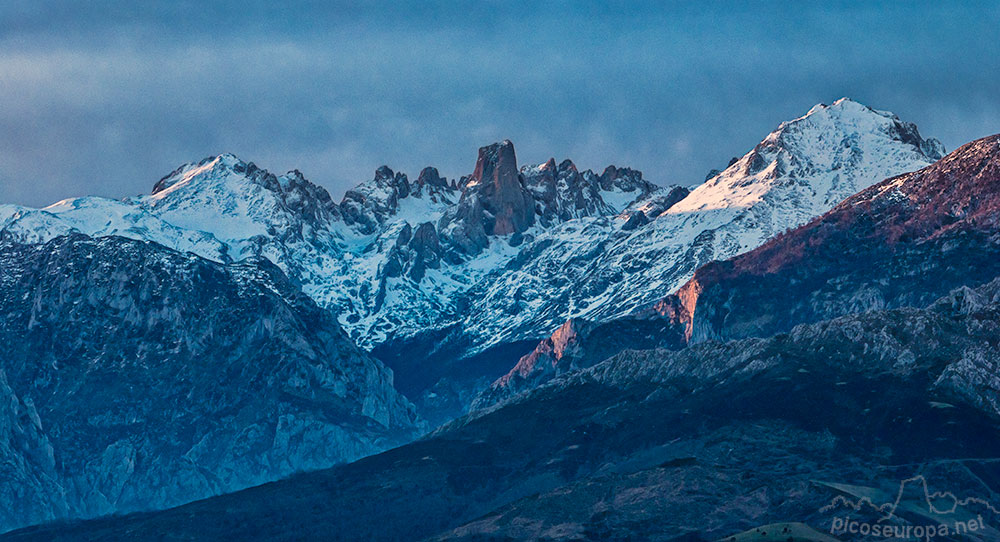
(593, 270)
(577, 260)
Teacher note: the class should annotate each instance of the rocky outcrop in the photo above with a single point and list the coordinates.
(368, 205)
(431, 182)
(135, 377)
(498, 185)
(494, 202)
(624, 179)
(552, 356)
(500, 201)
(579, 344)
(635, 220)
(660, 203)
(562, 193)
(415, 252)
(309, 201)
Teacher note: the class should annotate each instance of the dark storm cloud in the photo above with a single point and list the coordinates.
(96, 98)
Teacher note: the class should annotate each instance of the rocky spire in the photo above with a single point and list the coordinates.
(498, 184)
(430, 176)
(369, 204)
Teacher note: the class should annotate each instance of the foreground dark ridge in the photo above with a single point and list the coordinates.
(615, 450)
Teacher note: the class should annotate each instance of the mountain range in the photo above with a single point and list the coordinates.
(903, 242)
(234, 327)
(752, 435)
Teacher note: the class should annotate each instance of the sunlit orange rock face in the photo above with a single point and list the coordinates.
(902, 242)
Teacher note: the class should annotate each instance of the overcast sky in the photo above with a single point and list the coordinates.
(105, 97)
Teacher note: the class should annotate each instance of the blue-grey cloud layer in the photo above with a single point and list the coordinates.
(100, 98)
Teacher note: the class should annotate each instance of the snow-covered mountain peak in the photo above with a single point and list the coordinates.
(220, 208)
(191, 173)
(550, 165)
(429, 176)
(232, 199)
(293, 180)
(844, 107)
(510, 253)
(798, 172)
(847, 116)
(228, 177)
(567, 165)
(391, 197)
(842, 103)
(824, 156)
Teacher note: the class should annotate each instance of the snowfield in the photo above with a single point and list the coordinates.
(362, 259)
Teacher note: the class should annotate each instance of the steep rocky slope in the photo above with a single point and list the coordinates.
(597, 270)
(655, 445)
(507, 251)
(449, 281)
(134, 377)
(601, 270)
(774, 187)
(392, 258)
(902, 242)
(579, 344)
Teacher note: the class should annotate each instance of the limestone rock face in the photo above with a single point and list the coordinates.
(134, 377)
(520, 249)
(498, 184)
